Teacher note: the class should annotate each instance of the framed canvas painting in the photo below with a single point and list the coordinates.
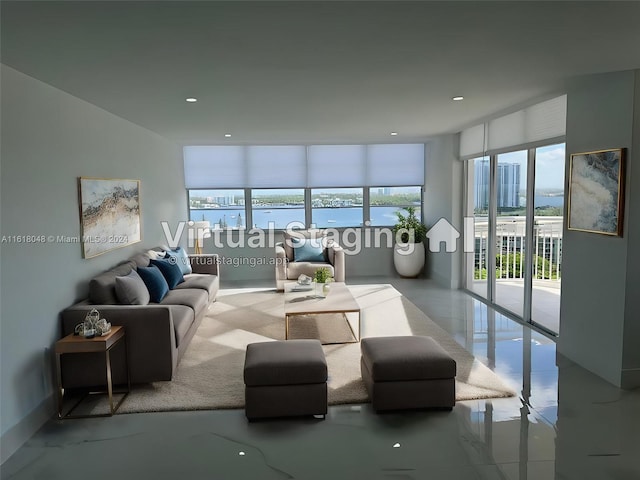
(596, 192)
(109, 214)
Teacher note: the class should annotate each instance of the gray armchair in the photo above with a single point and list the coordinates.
(291, 261)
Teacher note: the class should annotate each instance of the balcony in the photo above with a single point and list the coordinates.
(510, 268)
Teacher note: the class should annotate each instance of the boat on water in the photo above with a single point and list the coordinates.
(331, 221)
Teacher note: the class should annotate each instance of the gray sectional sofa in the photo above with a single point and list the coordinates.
(157, 334)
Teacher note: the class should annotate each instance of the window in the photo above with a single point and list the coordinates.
(386, 201)
(321, 185)
(222, 208)
(277, 208)
(336, 207)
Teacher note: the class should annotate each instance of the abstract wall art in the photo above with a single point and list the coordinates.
(109, 214)
(596, 191)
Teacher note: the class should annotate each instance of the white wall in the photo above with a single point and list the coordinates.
(631, 345)
(243, 261)
(50, 138)
(599, 305)
(443, 199)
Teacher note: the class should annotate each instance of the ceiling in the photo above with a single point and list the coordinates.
(315, 72)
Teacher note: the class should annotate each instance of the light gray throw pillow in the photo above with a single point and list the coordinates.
(131, 289)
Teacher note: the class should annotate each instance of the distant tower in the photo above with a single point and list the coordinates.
(508, 183)
(481, 171)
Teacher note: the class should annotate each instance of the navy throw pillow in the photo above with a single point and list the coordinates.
(170, 270)
(307, 250)
(181, 259)
(155, 282)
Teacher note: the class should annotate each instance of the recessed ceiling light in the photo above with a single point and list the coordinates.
(227, 135)
(192, 100)
(458, 98)
(393, 134)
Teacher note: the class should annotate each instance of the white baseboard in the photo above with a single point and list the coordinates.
(17, 435)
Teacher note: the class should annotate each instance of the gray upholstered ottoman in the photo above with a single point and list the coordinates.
(285, 378)
(407, 372)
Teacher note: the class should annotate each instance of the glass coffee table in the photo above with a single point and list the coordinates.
(304, 302)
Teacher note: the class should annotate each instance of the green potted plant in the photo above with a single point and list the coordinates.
(408, 253)
(322, 277)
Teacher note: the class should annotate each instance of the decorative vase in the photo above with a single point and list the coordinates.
(321, 289)
(408, 258)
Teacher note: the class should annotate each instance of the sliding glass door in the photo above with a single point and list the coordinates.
(547, 236)
(478, 202)
(510, 230)
(516, 201)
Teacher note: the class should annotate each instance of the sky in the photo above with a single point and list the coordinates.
(550, 162)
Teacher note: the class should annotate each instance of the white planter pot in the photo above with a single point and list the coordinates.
(408, 258)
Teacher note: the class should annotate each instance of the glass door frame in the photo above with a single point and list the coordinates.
(526, 316)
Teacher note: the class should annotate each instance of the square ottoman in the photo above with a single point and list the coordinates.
(285, 378)
(407, 372)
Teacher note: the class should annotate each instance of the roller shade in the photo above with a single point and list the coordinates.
(395, 164)
(336, 165)
(276, 166)
(299, 166)
(212, 166)
(472, 141)
(537, 123)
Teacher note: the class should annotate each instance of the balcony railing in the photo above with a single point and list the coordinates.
(510, 245)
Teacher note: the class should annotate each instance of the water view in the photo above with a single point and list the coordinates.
(234, 217)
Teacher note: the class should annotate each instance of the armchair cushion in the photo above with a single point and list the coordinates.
(307, 250)
(290, 267)
(307, 268)
(316, 236)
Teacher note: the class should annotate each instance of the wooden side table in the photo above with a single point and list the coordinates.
(78, 344)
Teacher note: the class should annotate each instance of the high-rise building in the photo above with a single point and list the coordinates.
(481, 171)
(507, 183)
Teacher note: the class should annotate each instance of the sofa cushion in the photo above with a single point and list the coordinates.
(183, 317)
(102, 288)
(155, 254)
(195, 298)
(170, 271)
(141, 259)
(307, 250)
(155, 282)
(181, 259)
(210, 283)
(131, 289)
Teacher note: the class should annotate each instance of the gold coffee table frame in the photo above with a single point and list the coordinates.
(339, 300)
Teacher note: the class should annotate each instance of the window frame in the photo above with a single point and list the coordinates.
(307, 206)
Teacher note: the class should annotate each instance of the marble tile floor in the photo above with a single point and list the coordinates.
(545, 299)
(566, 423)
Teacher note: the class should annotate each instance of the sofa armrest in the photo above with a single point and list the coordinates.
(281, 261)
(150, 338)
(205, 263)
(337, 253)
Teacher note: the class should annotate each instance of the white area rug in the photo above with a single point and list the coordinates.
(210, 373)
